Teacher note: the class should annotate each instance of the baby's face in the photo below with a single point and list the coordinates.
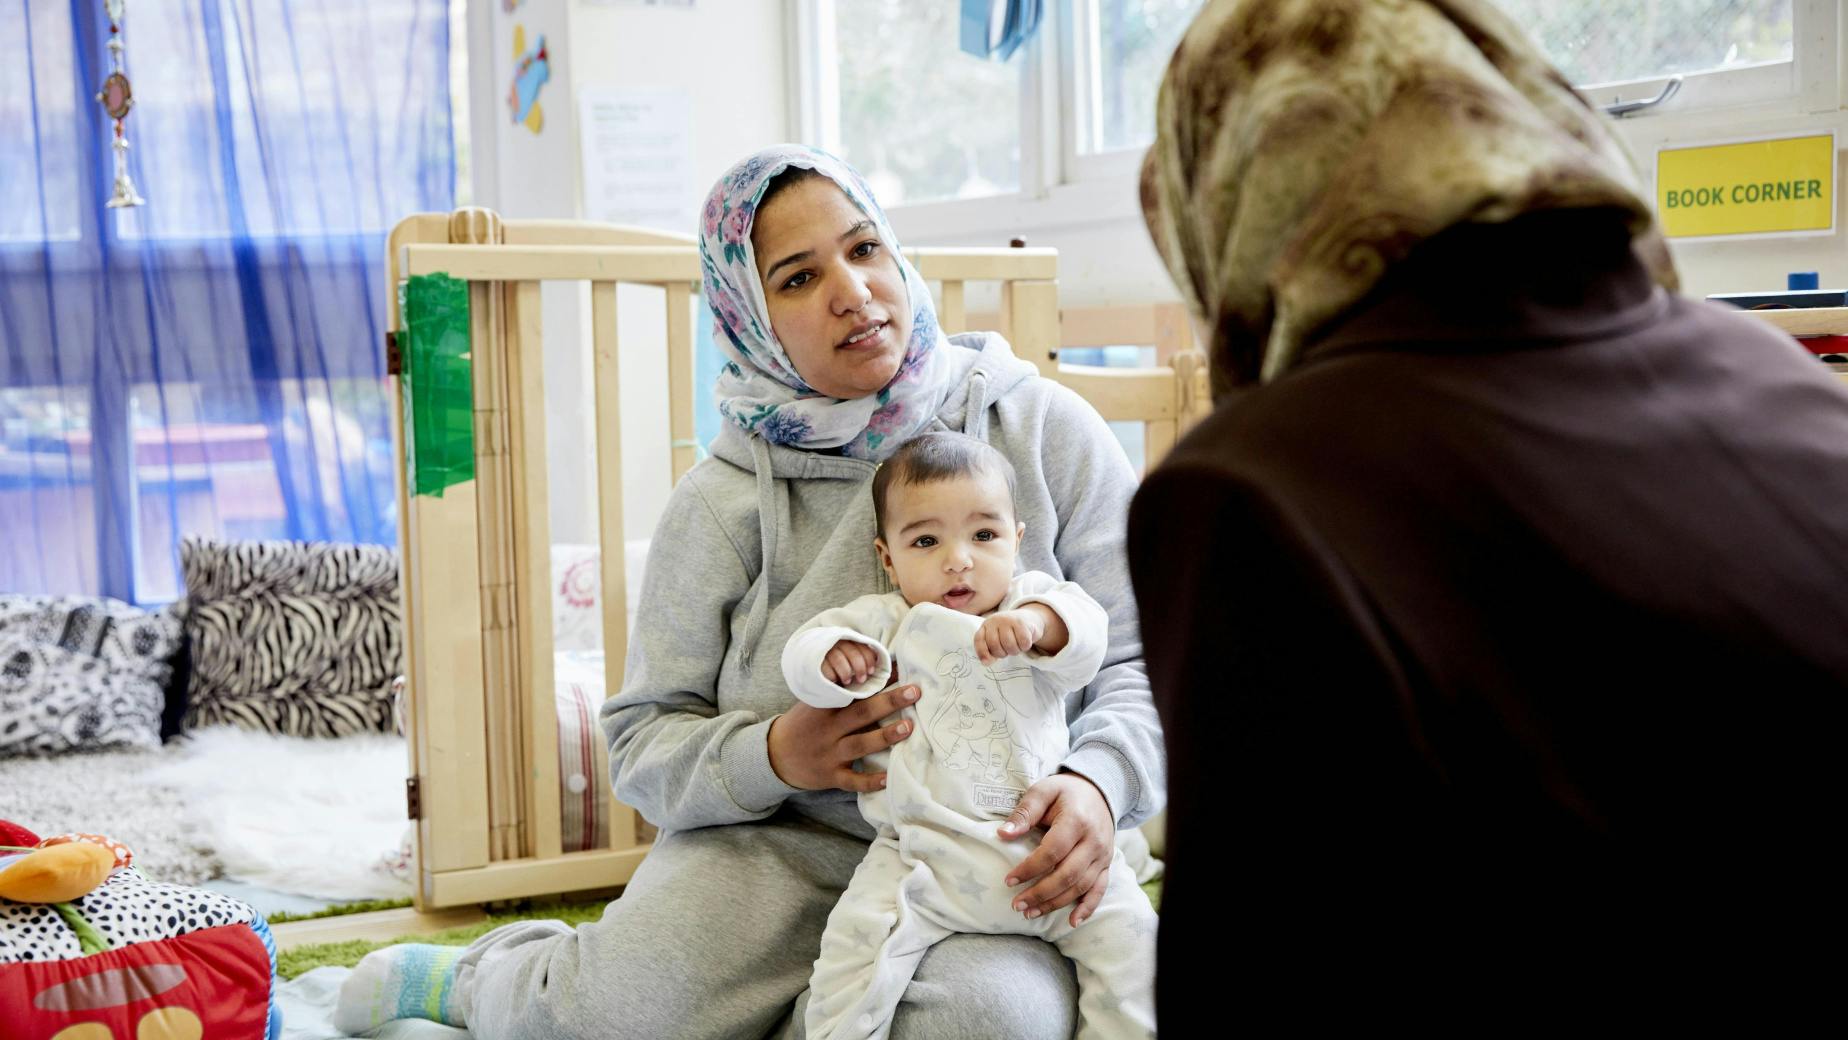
(951, 542)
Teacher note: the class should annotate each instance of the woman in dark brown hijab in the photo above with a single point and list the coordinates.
(1498, 616)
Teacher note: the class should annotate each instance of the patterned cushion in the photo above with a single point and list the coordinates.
(81, 673)
(577, 592)
(577, 598)
(292, 637)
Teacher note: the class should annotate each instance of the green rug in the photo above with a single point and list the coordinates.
(290, 963)
(341, 910)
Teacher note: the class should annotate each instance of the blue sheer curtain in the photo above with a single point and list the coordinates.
(211, 362)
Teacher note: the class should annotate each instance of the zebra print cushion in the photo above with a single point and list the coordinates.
(79, 673)
(300, 638)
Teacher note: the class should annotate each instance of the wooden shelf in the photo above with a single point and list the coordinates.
(1807, 321)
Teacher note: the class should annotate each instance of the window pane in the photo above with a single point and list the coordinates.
(1611, 41)
(268, 118)
(47, 503)
(207, 463)
(919, 118)
(40, 134)
(1135, 39)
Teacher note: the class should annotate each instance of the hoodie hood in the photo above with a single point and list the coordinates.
(989, 371)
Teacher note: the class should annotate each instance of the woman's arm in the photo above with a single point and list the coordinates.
(1116, 738)
(674, 756)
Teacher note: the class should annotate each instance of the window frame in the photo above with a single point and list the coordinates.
(1808, 79)
(1062, 186)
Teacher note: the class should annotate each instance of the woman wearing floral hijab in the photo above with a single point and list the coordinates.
(834, 357)
(1500, 602)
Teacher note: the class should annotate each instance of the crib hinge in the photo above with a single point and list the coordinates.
(394, 361)
(413, 798)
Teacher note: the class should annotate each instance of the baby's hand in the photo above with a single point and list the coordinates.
(1007, 633)
(849, 663)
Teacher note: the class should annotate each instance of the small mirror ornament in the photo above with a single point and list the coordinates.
(117, 97)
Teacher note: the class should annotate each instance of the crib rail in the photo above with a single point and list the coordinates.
(479, 661)
(476, 562)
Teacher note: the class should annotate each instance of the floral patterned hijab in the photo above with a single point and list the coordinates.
(1303, 147)
(759, 389)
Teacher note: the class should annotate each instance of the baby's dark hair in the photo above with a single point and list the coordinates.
(931, 457)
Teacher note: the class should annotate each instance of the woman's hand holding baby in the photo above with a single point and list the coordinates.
(1008, 632)
(1073, 859)
(814, 749)
(849, 663)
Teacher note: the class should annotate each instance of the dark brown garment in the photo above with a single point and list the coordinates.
(1499, 645)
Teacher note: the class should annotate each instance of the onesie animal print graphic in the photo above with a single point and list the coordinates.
(970, 729)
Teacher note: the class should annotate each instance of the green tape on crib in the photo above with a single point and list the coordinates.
(439, 387)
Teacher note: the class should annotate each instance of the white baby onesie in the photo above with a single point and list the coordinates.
(982, 734)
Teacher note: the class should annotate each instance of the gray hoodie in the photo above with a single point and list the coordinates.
(703, 680)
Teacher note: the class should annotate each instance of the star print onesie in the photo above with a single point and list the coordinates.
(982, 734)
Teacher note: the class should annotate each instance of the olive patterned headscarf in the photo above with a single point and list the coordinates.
(1305, 146)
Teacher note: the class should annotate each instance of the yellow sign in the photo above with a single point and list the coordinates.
(1751, 188)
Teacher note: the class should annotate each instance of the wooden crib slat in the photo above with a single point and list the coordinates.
(445, 682)
(951, 315)
(977, 265)
(607, 383)
(533, 569)
(493, 516)
(644, 264)
(1158, 440)
(1173, 332)
(1124, 394)
(445, 723)
(494, 550)
(1032, 310)
(680, 379)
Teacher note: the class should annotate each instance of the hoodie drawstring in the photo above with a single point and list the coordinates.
(975, 413)
(772, 503)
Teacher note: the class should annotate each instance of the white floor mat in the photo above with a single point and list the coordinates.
(321, 817)
(307, 1006)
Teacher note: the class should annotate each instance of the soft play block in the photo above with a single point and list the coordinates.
(136, 959)
(210, 983)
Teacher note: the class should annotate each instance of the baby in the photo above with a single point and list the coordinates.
(993, 655)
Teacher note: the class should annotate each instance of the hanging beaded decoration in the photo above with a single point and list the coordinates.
(117, 99)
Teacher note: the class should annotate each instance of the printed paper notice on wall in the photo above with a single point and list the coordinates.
(1784, 186)
(637, 148)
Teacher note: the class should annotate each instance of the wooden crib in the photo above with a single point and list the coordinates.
(480, 712)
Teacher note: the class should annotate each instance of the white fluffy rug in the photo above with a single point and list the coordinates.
(319, 817)
(109, 793)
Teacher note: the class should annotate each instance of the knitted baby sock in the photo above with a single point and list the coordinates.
(409, 981)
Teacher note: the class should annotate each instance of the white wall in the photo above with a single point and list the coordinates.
(523, 174)
(728, 56)
(1106, 257)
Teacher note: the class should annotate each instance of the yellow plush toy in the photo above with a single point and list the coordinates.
(55, 870)
(57, 874)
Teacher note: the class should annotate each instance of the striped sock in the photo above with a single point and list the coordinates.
(409, 981)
